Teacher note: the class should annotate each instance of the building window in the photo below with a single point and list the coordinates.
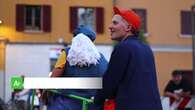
(33, 18)
(90, 16)
(186, 23)
(143, 15)
(86, 16)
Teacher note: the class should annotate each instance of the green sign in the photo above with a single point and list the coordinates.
(17, 83)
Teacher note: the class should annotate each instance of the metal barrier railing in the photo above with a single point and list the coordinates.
(17, 83)
(85, 101)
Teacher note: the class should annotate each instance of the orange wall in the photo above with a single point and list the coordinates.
(163, 19)
(60, 20)
(167, 62)
(2, 50)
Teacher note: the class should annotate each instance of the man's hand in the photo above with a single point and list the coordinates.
(57, 72)
(184, 94)
(173, 95)
(176, 97)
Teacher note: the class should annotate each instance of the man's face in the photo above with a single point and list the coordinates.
(119, 28)
(177, 79)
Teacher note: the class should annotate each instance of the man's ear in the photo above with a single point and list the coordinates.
(129, 27)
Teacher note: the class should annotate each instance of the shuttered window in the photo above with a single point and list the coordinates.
(143, 14)
(186, 22)
(90, 16)
(33, 18)
(46, 18)
(99, 20)
(20, 17)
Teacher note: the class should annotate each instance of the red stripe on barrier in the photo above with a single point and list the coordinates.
(183, 103)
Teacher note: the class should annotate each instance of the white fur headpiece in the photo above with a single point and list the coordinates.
(82, 51)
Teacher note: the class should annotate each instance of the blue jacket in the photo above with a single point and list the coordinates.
(60, 102)
(91, 71)
(131, 77)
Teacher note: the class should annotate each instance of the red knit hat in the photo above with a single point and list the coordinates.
(130, 16)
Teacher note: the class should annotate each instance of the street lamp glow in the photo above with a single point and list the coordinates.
(1, 21)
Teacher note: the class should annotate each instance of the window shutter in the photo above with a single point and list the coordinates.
(99, 20)
(73, 18)
(46, 18)
(193, 21)
(20, 17)
(144, 14)
(186, 22)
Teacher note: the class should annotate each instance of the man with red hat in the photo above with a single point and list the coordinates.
(131, 75)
